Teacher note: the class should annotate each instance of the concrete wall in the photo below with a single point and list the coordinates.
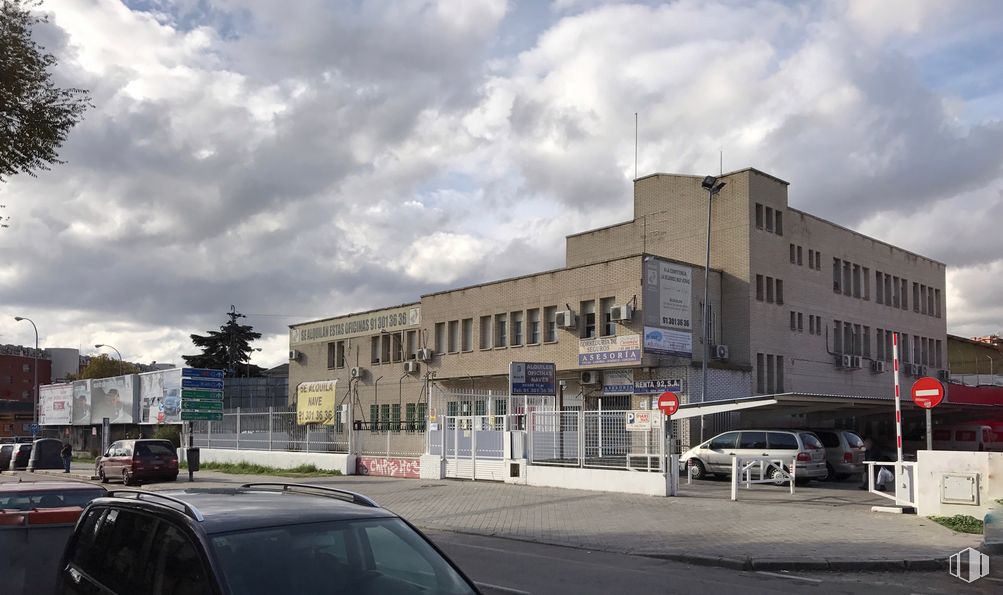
(600, 480)
(280, 460)
(933, 464)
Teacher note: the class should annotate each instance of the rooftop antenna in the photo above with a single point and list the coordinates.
(635, 145)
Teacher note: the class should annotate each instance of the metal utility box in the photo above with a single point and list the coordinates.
(959, 488)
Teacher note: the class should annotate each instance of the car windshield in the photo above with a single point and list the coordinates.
(357, 556)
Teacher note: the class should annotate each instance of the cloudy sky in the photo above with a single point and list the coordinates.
(310, 158)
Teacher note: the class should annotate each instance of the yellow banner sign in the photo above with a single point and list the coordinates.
(315, 402)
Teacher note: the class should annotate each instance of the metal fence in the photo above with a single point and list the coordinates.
(598, 439)
(269, 429)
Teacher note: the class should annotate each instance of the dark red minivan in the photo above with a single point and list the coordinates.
(134, 461)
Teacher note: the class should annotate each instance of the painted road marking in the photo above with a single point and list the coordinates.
(796, 578)
(502, 589)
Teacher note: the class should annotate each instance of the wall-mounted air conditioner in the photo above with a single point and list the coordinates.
(721, 352)
(357, 372)
(295, 355)
(566, 319)
(411, 367)
(621, 313)
(588, 377)
(855, 362)
(877, 366)
(846, 361)
(423, 354)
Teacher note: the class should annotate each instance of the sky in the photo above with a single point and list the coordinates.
(306, 159)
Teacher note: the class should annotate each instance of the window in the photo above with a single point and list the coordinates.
(533, 330)
(453, 343)
(866, 274)
(724, 441)
(926, 351)
(411, 340)
(422, 416)
(759, 287)
(929, 308)
(332, 354)
(759, 216)
(904, 290)
(409, 417)
(879, 286)
(780, 291)
(940, 361)
(385, 348)
(769, 290)
(782, 441)
(769, 219)
(588, 310)
(837, 336)
(858, 338)
(385, 417)
(811, 258)
(780, 373)
(867, 341)
(608, 326)
(847, 278)
(374, 346)
(793, 254)
(936, 299)
(395, 417)
(856, 280)
(753, 440)
(516, 319)
(550, 318)
(760, 373)
(896, 298)
(501, 323)
(485, 338)
(888, 290)
(794, 321)
(440, 337)
(904, 347)
(467, 343)
(888, 345)
(836, 279)
(818, 260)
(811, 324)
(917, 351)
(397, 344)
(915, 296)
(922, 299)
(799, 256)
(780, 223)
(770, 373)
(848, 338)
(880, 344)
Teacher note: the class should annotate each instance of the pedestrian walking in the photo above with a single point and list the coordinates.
(67, 455)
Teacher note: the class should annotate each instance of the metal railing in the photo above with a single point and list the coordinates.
(771, 470)
(903, 477)
(270, 429)
(599, 439)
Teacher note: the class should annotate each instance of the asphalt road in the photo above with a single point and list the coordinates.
(502, 566)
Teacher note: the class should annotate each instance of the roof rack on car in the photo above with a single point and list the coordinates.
(355, 497)
(140, 494)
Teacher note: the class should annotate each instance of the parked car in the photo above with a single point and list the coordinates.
(844, 453)
(134, 461)
(45, 454)
(19, 456)
(36, 521)
(255, 539)
(714, 455)
(6, 450)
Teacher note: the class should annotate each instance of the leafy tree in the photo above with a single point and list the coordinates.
(227, 349)
(105, 366)
(35, 114)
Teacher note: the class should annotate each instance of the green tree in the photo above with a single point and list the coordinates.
(105, 366)
(227, 349)
(35, 114)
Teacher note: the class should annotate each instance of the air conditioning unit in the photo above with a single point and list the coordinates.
(588, 378)
(411, 367)
(424, 354)
(911, 369)
(855, 361)
(566, 319)
(358, 372)
(846, 361)
(295, 355)
(621, 313)
(877, 366)
(721, 352)
(944, 375)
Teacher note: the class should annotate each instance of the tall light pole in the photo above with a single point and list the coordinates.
(121, 366)
(991, 369)
(34, 406)
(713, 186)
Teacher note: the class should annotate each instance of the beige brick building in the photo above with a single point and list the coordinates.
(801, 305)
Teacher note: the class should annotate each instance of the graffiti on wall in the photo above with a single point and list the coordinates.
(388, 467)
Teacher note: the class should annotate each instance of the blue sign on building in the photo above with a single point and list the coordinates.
(201, 383)
(201, 373)
(532, 378)
(660, 385)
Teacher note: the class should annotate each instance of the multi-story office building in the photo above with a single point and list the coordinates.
(798, 305)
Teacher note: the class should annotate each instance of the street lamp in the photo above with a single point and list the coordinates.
(34, 407)
(991, 379)
(121, 366)
(713, 186)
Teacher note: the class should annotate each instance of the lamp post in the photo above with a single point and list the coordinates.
(121, 366)
(713, 186)
(34, 406)
(991, 379)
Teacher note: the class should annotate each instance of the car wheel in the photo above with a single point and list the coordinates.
(830, 473)
(126, 477)
(104, 478)
(777, 475)
(697, 470)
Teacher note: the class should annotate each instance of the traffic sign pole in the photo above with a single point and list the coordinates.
(929, 429)
(898, 396)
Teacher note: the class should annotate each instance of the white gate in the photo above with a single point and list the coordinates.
(473, 446)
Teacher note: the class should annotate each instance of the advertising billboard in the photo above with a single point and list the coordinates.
(621, 349)
(55, 405)
(668, 305)
(315, 402)
(82, 403)
(532, 378)
(113, 398)
(160, 397)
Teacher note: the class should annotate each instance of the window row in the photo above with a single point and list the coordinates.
(925, 300)
(814, 257)
(386, 417)
(853, 339)
(515, 328)
(851, 279)
(769, 290)
(384, 348)
(769, 373)
(814, 323)
(891, 290)
(770, 219)
(920, 350)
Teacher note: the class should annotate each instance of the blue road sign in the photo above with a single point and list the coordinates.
(33, 428)
(201, 383)
(201, 373)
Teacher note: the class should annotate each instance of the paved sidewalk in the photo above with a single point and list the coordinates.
(818, 527)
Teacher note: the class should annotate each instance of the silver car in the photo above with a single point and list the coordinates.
(714, 456)
(844, 453)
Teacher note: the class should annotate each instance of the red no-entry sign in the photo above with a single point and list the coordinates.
(927, 392)
(668, 403)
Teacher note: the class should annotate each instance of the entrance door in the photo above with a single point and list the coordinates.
(474, 446)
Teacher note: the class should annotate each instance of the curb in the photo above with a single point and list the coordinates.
(57, 473)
